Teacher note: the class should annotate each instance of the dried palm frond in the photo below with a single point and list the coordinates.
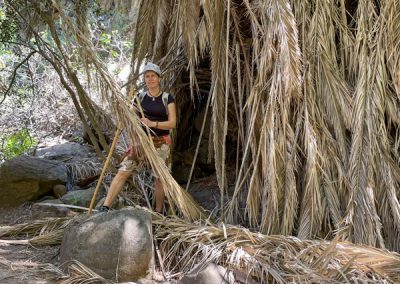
(163, 10)
(272, 258)
(214, 12)
(35, 228)
(277, 62)
(83, 169)
(312, 205)
(44, 232)
(385, 95)
(325, 143)
(391, 17)
(78, 273)
(368, 122)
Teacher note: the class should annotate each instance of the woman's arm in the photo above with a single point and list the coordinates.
(165, 125)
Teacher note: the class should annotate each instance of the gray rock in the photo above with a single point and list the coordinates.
(243, 277)
(25, 178)
(81, 197)
(59, 190)
(45, 209)
(208, 274)
(66, 151)
(117, 245)
(49, 201)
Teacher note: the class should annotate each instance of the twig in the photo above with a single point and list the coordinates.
(64, 206)
(103, 171)
(15, 242)
(14, 75)
(198, 142)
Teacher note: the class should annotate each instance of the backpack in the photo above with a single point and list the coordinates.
(164, 99)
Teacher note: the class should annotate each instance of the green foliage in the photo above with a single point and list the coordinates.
(113, 44)
(105, 39)
(15, 144)
(8, 26)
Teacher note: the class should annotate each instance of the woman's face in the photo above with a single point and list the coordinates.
(151, 79)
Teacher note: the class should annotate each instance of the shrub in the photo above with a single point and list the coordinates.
(16, 143)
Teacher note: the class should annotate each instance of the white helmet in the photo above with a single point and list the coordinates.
(152, 67)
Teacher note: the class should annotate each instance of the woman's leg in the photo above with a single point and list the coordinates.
(160, 195)
(164, 151)
(116, 185)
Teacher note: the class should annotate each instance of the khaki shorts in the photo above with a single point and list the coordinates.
(164, 151)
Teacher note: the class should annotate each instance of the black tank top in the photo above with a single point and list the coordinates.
(155, 111)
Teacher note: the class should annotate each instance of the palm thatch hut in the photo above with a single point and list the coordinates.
(304, 99)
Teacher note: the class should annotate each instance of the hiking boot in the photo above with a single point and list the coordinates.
(161, 213)
(103, 209)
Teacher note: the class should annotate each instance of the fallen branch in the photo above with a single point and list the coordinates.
(65, 206)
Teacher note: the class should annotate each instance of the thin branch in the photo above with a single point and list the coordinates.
(14, 75)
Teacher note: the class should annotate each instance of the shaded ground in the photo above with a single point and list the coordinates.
(15, 260)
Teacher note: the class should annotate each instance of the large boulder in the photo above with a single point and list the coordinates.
(116, 245)
(25, 178)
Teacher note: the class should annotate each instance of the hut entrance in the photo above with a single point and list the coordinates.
(192, 110)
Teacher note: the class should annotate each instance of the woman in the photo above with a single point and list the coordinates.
(160, 115)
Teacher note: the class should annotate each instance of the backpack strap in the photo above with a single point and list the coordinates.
(165, 101)
(141, 96)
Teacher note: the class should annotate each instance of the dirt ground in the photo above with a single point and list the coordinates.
(20, 263)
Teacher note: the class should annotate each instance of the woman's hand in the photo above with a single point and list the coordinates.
(131, 152)
(148, 122)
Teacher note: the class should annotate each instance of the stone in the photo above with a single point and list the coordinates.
(208, 274)
(26, 178)
(243, 277)
(66, 151)
(82, 197)
(45, 209)
(59, 190)
(116, 245)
